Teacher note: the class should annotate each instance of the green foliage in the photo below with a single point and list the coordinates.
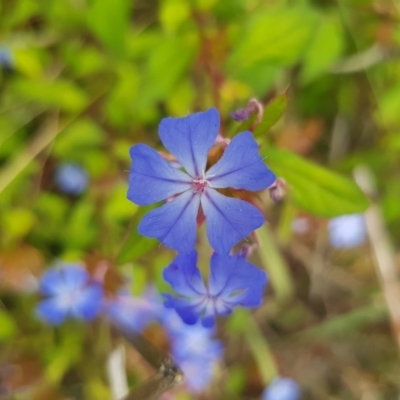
(273, 111)
(315, 189)
(325, 48)
(106, 72)
(289, 31)
(7, 327)
(57, 94)
(109, 21)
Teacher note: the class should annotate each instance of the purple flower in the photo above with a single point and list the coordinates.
(282, 389)
(69, 293)
(71, 178)
(152, 179)
(233, 282)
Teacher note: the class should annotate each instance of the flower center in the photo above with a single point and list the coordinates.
(199, 184)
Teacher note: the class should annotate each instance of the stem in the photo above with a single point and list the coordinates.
(168, 373)
(47, 133)
(383, 250)
(260, 350)
(275, 265)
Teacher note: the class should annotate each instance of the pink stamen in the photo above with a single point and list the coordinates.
(199, 184)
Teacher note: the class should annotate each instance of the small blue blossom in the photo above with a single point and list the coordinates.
(69, 292)
(233, 282)
(6, 58)
(282, 389)
(152, 179)
(71, 178)
(347, 231)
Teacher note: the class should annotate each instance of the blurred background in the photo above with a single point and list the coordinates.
(83, 80)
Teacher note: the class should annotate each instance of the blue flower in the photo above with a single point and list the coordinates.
(70, 293)
(71, 178)
(282, 389)
(152, 179)
(194, 349)
(131, 313)
(6, 58)
(233, 282)
(347, 231)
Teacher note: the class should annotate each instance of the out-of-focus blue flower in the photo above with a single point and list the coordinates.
(69, 292)
(71, 178)
(6, 58)
(131, 313)
(233, 282)
(282, 389)
(190, 341)
(152, 179)
(347, 231)
(194, 349)
(198, 372)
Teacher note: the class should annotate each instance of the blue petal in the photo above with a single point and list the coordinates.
(174, 223)
(208, 321)
(152, 179)
(241, 166)
(283, 389)
(184, 308)
(89, 303)
(228, 220)
(130, 313)
(198, 373)
(236, 281)
(51, 311)
(64, 279)
(190, 138)
(184, 276)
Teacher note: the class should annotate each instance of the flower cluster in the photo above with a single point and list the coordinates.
(188, 185)
(70, 292)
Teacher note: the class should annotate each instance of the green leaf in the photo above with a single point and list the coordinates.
(167, 64)
(347, 324)
(109, 21)
(118, 207)
(173, 13)
(325, 48)
(316, 189)
(17, 222)
(273, 111)
(135, 246)
(60, 93)
(8, 327)
(276, 37)
(79, 136)
(259, 76)
(80, 231)
(246, 125)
